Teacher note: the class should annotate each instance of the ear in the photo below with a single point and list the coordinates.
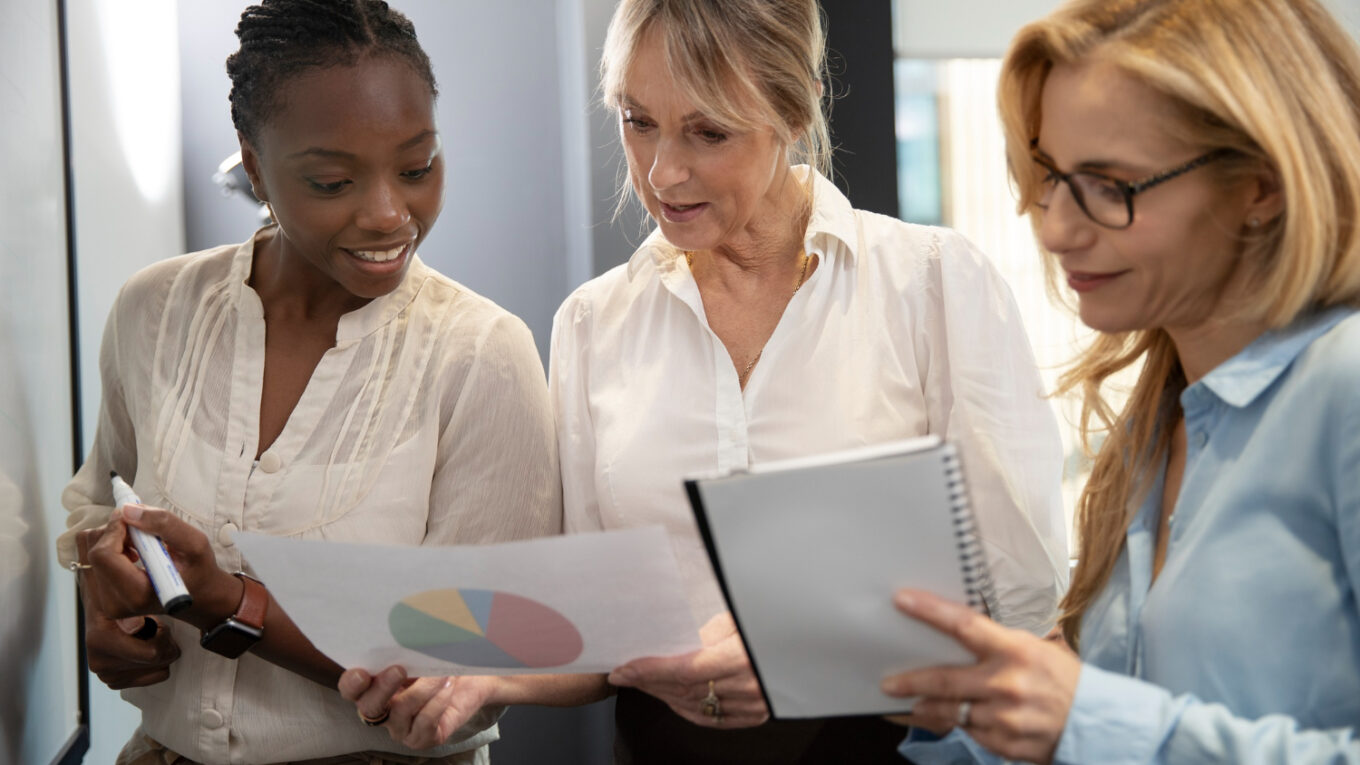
(1265, 198)
(250, 162)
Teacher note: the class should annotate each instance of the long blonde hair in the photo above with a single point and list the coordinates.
(1278, 83)
(731, 55)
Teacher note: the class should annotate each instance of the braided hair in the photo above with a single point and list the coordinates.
(280, 38)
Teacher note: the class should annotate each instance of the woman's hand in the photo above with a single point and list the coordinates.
(118, 650)
(1018, 694)
(123, 590)
(683, 682)
(417, 713)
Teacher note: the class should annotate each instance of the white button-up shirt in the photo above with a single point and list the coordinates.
(901, 331)
(427, 423)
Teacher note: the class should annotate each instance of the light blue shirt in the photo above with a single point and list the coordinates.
(1246, 649)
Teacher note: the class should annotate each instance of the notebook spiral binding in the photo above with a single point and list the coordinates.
(977, 575)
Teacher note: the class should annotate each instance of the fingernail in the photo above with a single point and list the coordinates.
(890, 686)
(905, 599)
(622, 677)
(132, 512)
(395, 674)
(117, 514)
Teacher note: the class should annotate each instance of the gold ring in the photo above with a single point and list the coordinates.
(374, 722)
(711, 705)
(76, 565)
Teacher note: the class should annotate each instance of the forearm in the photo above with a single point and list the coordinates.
(282, 643)
(1115, 718)
(550, 690)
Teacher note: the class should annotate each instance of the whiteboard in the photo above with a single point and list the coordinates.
(39, 710)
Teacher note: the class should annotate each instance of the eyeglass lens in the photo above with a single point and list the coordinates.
(1103, 200)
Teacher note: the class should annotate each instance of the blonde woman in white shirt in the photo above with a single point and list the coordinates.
(317, 381)
(763, 319)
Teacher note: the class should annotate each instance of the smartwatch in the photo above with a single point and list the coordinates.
(243, 629)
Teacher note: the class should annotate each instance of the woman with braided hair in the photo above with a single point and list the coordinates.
(317, 381)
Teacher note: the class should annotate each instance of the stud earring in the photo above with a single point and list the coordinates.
(1254, 222)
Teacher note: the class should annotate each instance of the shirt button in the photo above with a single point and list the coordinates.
(227, 535)
(270, 462)
(1201, 438)
(212, 719)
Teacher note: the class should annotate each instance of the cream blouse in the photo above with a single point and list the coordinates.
(901, 331)
(428, 423)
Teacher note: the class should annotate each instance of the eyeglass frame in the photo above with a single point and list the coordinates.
(1127, 188)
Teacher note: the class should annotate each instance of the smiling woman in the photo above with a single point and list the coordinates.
(316, 381)
(1213, 606)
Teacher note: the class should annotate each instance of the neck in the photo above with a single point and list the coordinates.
(291, 287)
(1203, 347)
(770, 247)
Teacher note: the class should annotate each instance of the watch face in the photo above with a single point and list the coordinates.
(230, 638)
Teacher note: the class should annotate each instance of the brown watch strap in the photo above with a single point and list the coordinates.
(254, 602)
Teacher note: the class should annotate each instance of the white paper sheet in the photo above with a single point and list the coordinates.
(578, 603)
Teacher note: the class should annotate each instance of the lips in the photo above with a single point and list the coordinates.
(1085, 281)
(380, 258)
(679, 213)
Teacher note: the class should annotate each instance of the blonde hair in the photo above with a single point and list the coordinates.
(730, 55)
(1278, 83)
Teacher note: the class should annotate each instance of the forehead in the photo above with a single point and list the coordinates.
(377, 102)
(648, 81)
(1093, 111)
(652, 82)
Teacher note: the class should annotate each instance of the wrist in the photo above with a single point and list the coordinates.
(502, 691)
(216, 600)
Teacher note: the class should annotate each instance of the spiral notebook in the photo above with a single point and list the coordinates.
(809, 552)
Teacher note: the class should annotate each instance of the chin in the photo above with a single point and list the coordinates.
(1107, 321)
(681, 236)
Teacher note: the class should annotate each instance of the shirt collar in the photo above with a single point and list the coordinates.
(832, 220)
(354, 325)
(1239, 380)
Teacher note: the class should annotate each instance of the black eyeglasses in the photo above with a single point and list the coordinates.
(1105, 200)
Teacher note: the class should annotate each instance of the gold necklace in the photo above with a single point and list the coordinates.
(802, 277)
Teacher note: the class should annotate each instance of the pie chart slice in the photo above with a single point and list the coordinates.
(485, 628)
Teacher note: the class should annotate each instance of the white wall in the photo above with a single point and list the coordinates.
(39, 702)
(983, 28)
(124, 86)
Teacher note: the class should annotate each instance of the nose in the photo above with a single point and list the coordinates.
(383, 209)
(1063, 226)
(669, 165)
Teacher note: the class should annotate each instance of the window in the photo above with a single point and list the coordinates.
(952, 171)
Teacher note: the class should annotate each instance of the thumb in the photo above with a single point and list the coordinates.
(975, 632)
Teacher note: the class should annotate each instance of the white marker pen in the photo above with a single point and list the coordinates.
(155, 558)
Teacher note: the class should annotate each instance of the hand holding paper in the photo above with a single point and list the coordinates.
(683, 681)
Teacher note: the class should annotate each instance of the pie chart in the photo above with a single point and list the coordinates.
(484, 628)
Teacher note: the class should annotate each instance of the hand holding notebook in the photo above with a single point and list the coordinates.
(809, 553)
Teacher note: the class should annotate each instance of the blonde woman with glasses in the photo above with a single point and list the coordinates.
(1193, 174)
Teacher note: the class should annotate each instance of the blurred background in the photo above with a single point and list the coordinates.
(115, 154)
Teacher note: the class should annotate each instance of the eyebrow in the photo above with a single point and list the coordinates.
(318, 151)
(1093, 165)
(630, 103)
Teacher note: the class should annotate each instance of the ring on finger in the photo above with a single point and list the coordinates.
(76, 565)
(711, 705)
(374, 722)
(965, 711)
